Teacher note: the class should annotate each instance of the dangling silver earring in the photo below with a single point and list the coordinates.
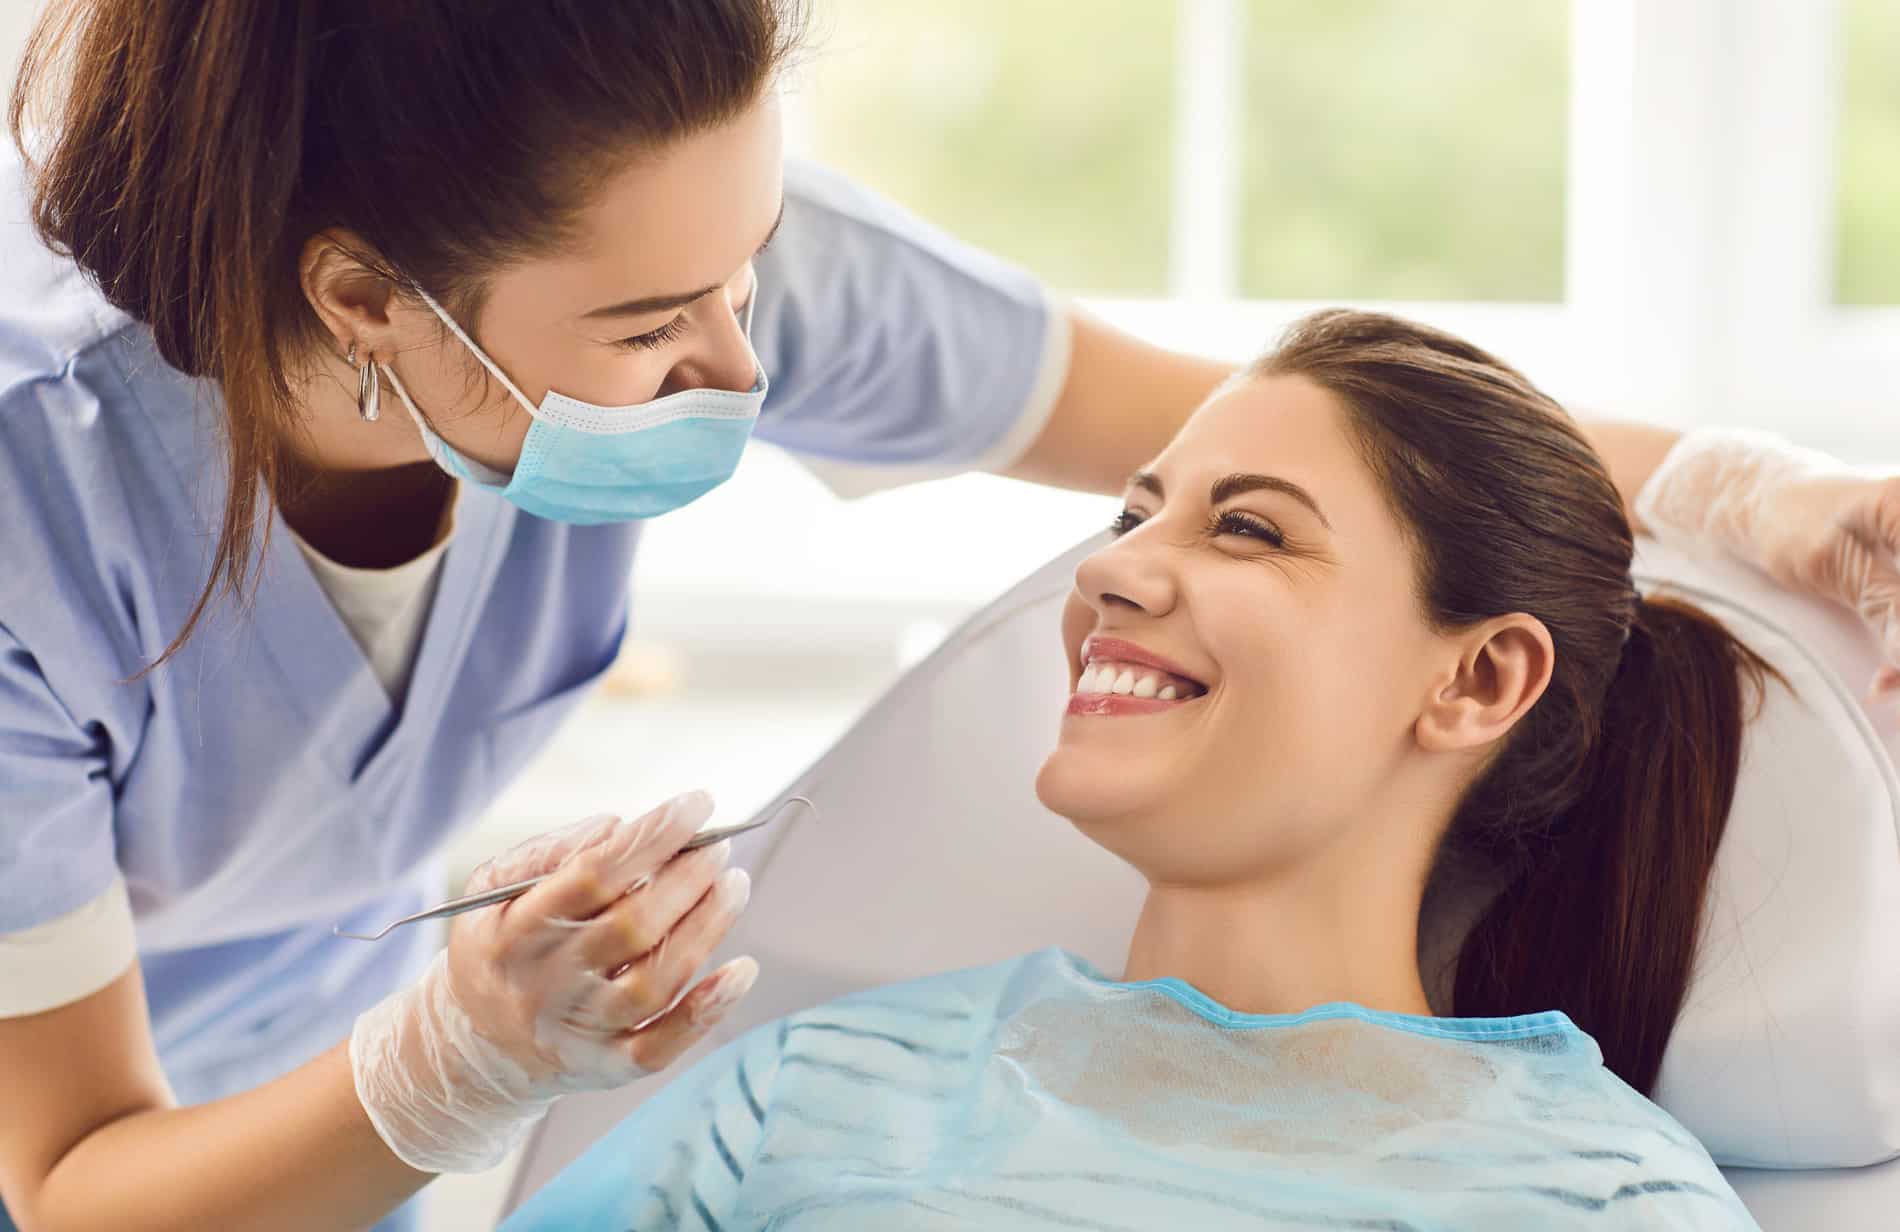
(369, 387)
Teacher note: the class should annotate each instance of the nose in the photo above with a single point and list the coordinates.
(1130, 575)
(724, 358)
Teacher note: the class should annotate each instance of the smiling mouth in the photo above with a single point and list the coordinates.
(1119, 686)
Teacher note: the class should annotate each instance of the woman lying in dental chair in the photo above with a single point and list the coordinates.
(1368, 618)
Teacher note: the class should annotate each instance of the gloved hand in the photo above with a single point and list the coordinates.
(1805, 519)
(566, 988)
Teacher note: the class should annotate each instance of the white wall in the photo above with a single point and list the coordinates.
(16, 18)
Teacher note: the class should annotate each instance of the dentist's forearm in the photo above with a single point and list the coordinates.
(1120, 405)
(1632, 452)
(1124, 399)
(297, 1153)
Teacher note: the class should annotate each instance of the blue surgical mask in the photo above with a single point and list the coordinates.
(589, 464)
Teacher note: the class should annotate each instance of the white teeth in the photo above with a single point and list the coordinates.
(1113, 678)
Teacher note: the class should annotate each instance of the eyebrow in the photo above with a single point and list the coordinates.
(1234, 485)
(661, 303)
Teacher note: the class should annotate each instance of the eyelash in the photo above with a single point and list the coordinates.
(672, 331)
(1229, 523)
(675, 329)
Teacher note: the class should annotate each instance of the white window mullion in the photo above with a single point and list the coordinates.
(1597, 222)
(1787, 121)
(1204, 236)
(1799, 358)
(1649, 209)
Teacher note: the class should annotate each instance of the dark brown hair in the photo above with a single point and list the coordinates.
(1604, 808)
(194, 148)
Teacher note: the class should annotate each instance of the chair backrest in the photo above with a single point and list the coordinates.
(932, 853)
(1787, 1053)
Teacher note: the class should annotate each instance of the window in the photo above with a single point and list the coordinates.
(1393, 150)
(958, 105)
(1868, 270)
(1270, 149)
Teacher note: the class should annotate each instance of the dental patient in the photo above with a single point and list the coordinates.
(1368, 624)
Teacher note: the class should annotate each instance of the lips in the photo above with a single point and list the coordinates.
(1121, 678)
(1114, 704)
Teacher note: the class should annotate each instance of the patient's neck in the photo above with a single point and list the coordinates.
(1279, 947)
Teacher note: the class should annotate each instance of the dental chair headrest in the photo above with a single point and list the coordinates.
(1787, 1052)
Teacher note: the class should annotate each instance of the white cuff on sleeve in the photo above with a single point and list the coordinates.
(1052, 373)
(69, 958)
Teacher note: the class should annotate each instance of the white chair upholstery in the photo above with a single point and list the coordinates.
(931, 853)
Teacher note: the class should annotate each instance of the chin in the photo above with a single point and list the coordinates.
(1090, 790)
(1104, 807)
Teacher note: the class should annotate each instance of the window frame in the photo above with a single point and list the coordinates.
(1699, 249)
(1701, 207)
(1795, 350)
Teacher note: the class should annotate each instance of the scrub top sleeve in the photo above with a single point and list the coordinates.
(57, 851)
(897, 354)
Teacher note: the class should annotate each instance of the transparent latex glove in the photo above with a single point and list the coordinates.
(1807, 520)
(577, 985)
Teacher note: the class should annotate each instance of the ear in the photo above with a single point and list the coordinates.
(348, 295)
(1503, 666)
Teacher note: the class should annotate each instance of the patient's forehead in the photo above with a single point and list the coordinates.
(1287, 420)
(1286, 426)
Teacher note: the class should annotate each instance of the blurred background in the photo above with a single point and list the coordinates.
(1685, 210)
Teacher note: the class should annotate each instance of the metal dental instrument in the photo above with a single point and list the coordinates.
(502, 894)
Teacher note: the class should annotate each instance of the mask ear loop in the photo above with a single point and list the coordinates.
(402, 393)
(436, 447)
(494, 369)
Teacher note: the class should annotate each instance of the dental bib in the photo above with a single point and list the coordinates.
(1037, 1094)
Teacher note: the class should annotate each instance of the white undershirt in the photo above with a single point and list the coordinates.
(386, 610)
(70, 958)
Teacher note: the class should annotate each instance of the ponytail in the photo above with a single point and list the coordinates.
(169, 177)
(1603, 808)
(1603, 925)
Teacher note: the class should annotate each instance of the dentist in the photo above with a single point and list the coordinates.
(343, 347)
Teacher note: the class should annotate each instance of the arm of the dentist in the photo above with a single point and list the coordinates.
(89, 1134)
(92, 1138)
(1805, 519)
(898, 354)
